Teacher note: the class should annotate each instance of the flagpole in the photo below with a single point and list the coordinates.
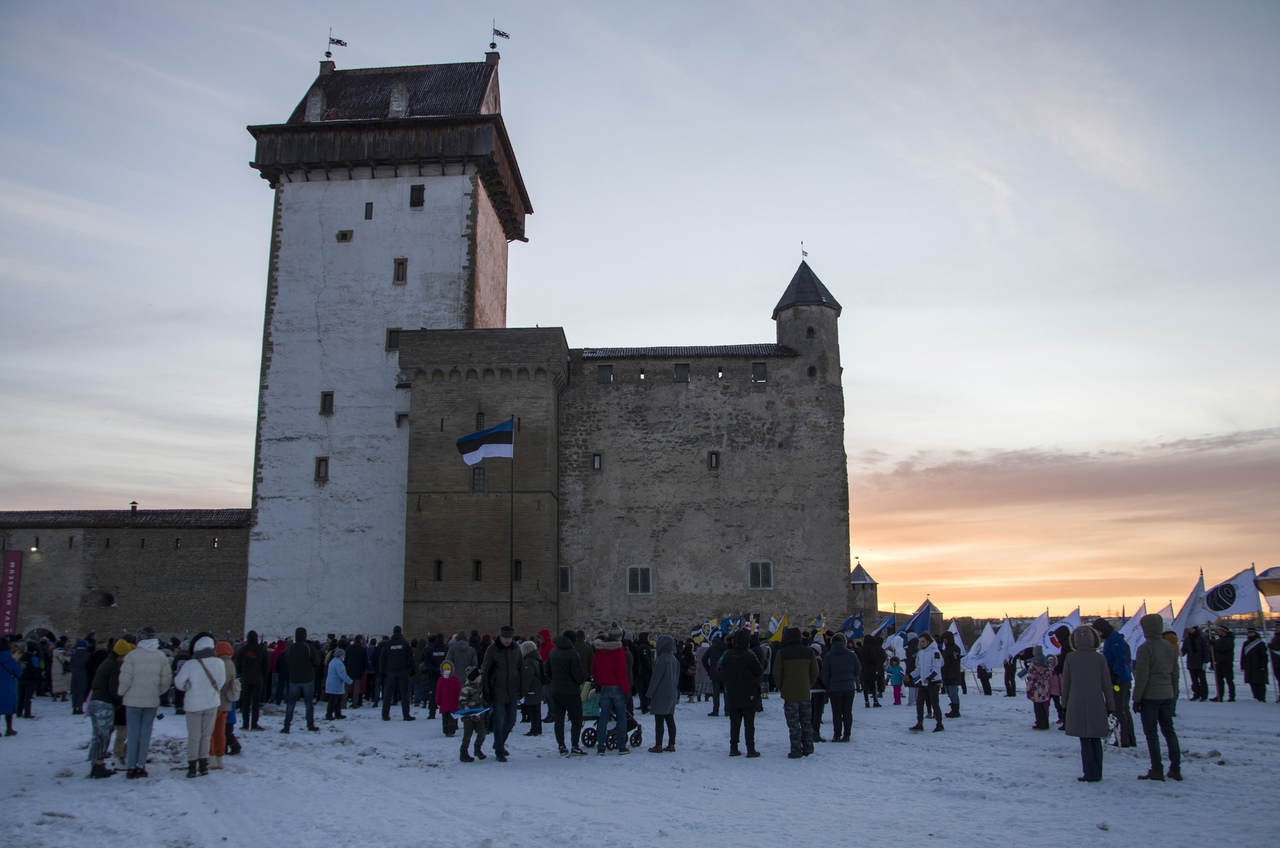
(511, 538)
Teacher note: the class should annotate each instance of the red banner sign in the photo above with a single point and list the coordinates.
(10, 580)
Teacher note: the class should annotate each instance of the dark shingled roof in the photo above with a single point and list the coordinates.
(431, 91)
(686, 352)
(805, 289)
(158, 518)
(860, 575)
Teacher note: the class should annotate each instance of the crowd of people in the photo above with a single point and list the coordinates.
(588, 690)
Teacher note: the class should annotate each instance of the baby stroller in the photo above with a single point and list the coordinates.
(591, 709)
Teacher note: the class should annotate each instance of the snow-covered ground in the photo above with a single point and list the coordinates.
(989, 779)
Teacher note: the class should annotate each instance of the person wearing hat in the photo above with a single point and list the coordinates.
(1196, 649)
(227, 697)
(201, 678)
(1089, 698)
(841, 669)
(795, 669)
(1115, 651)
(103, 704)
(335, 685)
(741, 673)
(1223, 646)
(394, 664)
(445, 697)
(1253, 662)
(503, 683)
(144, 676)
(609, 671)
(471, 697)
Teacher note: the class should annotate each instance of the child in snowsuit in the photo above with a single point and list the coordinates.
(1039, 673)
(448, 688)
(472, 698)
(896, 675)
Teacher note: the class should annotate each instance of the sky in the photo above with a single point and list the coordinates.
(1054, 229)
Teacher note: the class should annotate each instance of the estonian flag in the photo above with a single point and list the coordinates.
(497, 441)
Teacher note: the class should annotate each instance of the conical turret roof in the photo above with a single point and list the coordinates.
(805, 289)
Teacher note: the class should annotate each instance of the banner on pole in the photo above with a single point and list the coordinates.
(10, 580)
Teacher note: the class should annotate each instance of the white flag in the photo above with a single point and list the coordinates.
(1193, 613)
(1034, 633)
(979, 648)
(1050, 640)
(1132, 631)
(1268, 583)
(1237, 596)
(955, 634)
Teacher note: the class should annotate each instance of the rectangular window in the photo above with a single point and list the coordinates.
(344, 235)
(177, 544)
(416, 195)
(326, 403)
(439, 571)
(597, 461)
(479, 570)
(564, 580)
(639, 580)
(761, 574)
(758, 373)
(393, 339)
(713, 459)
(682, 372)
(604, 373)
(401, 272)
(517, 571)
(322, 468)
(368, 211)
(477, 479)
(215, 542)
(142, 544)
(479, 420)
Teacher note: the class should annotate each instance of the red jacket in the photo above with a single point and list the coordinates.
(544, 650)
(609, 668)
(447, 691)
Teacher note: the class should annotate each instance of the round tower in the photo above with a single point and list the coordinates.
(806, 317)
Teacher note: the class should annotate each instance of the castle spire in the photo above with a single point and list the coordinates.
(805, 288)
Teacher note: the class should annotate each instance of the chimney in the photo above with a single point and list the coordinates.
(133, 506)
(326, 68)
(492, 57)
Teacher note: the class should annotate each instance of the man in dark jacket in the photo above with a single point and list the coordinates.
(502, 678)
(711, 665)
(432, 656)
(301, 660)
(740, 672)
(1253, 662)
(795, 670)
(1196, 649)
(642, 657)
(394, 663)
(1223, 650)
(567, 677)
(952, 672)
(253, 665)
(840, 672)
(1115, 650)
(356, 662)
(80, 678)
(872, 658)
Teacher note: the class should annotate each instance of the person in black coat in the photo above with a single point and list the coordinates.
(1253, 662)
(642, 662)
(1011, 677)
(432, 656)
(567, 676)
(952, 672)
(80, 677)
(1196, 649)
(872, 657)
(253, 666)
(394, 665)
(1223, 652)
(740, 675)
(711, 663)
(840, 672)
(356, 662)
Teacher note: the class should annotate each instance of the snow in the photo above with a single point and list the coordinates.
(989, 779)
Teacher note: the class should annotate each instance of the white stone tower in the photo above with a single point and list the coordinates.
(396, 195)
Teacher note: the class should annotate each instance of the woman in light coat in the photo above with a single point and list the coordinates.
(227, 697)
(201, 680)
(664, 693)
(336, 683)
(1088, 695)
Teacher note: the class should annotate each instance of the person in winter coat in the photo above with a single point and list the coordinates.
(1089, 698)
(929, 677)
(10, 674)
(664, 693)
(1253, 662)
(984, 679)
(336, 682)
(253, 666)
(33, 668)
(953, 672)
(688, 671)
(201, 680)
(534, 678)
(1155, 696)
(1116, 653)
(1196, 650)
(80, 677)
(1062, 636)
(711, 665)
(609, 670)
(471, 697)
(228, 695)
(104, 701)
(1039, 673)
(60, 672)
(897, 673)
(795, 670)
(144, 677)
(564, 667)
(299, 662)
(642, 656)
(841, 669)
(1223, 653)
(502, 681)
(740, 672)
(394, 664)
(872, 658)
(461, 654)
(448, 688)
(1011, 677)
(429, 670)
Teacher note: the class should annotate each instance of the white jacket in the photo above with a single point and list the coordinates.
(201, 694)
(929, 663)
(144, 675)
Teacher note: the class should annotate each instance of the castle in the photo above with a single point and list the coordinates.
(655, 486)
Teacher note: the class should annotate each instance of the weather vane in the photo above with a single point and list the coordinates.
(497, 33)
(803, 252)
(333, 42)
